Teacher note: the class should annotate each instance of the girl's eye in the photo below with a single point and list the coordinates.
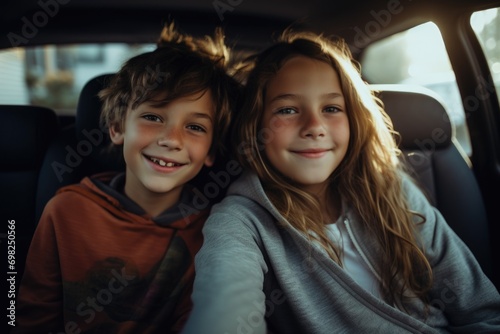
(196, 128)
(332, 109)
(152, 118)
(286, 111)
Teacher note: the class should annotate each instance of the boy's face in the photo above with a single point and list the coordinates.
(165, 147)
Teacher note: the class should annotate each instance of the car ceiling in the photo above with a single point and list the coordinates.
(247, 23)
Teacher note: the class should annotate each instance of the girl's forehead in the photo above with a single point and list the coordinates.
(301, 73)
(299, 62)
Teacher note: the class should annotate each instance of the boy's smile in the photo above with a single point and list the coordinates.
(164, 162)
(165, 146)
(305, 109)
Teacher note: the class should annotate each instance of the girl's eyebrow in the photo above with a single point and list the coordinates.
(333, 95)
(284, 97)
(279, 97)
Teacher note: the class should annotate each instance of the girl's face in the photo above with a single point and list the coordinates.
(305, 128)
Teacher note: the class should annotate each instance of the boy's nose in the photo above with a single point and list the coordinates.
(171, 138)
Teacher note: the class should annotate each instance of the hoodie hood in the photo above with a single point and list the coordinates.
(106, 189)
(249, 185)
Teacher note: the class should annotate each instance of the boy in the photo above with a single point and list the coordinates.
(115, 252)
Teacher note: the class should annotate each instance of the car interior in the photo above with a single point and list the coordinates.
(44, 148)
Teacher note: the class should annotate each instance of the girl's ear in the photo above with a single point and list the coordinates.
(116, 134)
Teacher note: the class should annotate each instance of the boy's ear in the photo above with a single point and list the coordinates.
(209, 160)
(116, 134)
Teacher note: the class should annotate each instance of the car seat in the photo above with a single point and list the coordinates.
(439, 164)
(25, 134)
(80, 150)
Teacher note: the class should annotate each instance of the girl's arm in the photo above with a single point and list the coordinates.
(228, 288)
(461, 290)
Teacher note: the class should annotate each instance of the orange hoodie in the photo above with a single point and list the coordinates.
(98, 264)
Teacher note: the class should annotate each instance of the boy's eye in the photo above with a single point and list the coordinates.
(286, 111)
(196, 128)
(152, 118)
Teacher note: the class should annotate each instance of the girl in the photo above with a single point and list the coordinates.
(325, 232)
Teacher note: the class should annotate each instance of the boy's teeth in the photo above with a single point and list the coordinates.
(163, 163)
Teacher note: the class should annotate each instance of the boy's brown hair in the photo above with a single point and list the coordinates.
(180, 66)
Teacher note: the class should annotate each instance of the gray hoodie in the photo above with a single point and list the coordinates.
(253, 276)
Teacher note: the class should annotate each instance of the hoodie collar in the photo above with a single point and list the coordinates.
(113, 187)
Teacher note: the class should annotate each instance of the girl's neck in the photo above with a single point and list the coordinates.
(330, 204)
(331, 208)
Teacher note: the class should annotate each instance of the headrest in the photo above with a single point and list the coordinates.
(93, 140)
(25, 133)
(418, 115)
(88, 109)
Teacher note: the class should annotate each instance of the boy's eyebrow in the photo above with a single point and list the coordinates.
(297, 96)
(202, 115)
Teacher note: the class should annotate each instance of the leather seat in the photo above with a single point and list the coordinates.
(80, 150)
(439, 164)
(25, 134)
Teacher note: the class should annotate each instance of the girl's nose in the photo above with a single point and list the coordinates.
(313, 126)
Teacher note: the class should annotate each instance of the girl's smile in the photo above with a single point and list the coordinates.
(305, 109)
(311, 153)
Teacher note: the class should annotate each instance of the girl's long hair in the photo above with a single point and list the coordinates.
(369, 177)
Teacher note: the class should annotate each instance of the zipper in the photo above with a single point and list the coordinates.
(358, 249)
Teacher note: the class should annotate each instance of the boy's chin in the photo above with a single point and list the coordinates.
(163, 189)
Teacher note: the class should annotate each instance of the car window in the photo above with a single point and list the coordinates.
(52, 76)
(486, 25)
(418, 56)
